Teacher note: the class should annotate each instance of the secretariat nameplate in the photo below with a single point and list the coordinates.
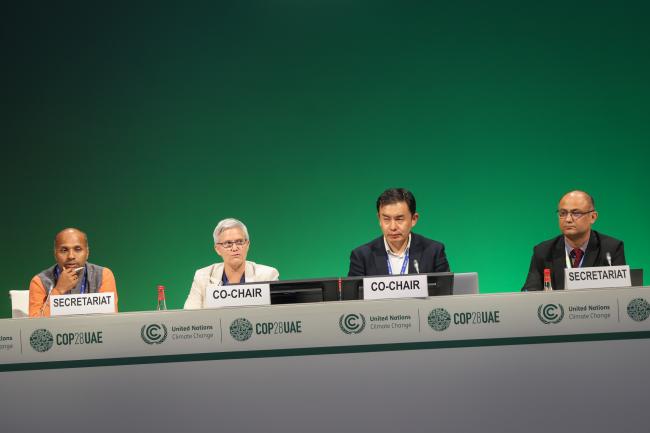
(396, 286)
(87, 303)
(600, 277)
(237, 295)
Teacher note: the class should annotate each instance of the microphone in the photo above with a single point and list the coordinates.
(47, 298)
(415, 265)
(609, 258)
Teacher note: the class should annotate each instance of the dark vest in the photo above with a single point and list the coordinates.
(95, 273)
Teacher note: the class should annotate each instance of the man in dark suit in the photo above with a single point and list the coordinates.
(578, 246)
(398, 251)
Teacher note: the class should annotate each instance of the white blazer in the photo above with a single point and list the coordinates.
(212, 275)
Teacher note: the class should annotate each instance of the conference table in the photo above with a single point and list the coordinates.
(539, 361)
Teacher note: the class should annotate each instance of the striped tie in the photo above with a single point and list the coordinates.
(576, 256)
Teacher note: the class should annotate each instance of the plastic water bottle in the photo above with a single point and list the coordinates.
(162, 305)
(547, 280)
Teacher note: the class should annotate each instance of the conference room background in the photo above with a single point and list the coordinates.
(144, 125)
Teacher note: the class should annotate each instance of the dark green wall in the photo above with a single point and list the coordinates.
(145, 125)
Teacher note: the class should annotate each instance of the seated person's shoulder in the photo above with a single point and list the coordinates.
(426, 242)
(205, 271)
(43, 278)
(264, 273)
(608, 240)
(547, 244)
(368, 246)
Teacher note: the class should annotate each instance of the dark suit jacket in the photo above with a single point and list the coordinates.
(371, 258)
(551, 254)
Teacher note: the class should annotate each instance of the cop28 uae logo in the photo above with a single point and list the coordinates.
(439, 319)
(352, 323)
(550, 313)
(241, 329)
(638, 309)
(41, 340)
(154, 333)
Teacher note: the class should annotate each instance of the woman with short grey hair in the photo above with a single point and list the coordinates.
(231, 243)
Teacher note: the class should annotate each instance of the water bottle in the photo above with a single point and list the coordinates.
(547, 280)
(162, 305)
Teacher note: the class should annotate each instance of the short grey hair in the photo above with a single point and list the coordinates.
(229, 223)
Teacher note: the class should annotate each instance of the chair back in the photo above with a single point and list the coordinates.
(19, 303)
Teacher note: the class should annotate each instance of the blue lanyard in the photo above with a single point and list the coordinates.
(84, 281)
(404, 263)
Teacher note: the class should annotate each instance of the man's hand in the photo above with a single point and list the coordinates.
(67, 280)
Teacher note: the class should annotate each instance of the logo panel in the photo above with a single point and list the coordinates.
(352, 323)
(241, 329)
(550, 313)
(41, 340)
(154, 333)
(439, 319)
(638, 309)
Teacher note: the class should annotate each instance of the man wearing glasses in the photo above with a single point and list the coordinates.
(231, 242)
(578, 247)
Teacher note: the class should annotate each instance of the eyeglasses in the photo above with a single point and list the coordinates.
(229, 244)
(575, 214)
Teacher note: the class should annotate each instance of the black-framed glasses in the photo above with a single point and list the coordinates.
(229, 244)
(575, 214)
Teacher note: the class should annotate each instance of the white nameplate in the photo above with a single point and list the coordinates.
(600, 277)
(396, 286)
(237, 295)
(87, 303)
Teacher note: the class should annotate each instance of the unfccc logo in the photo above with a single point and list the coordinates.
(550, 313)
(352, 323)
(154, 333)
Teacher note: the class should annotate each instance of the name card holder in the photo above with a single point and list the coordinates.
(600, 277)
(395, 286)
(87, 303)
(237, 295)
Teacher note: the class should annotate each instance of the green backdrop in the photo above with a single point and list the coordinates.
(144, 125)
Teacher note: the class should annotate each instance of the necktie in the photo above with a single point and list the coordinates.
(576, 255)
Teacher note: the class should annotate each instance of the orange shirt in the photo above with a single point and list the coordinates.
(38, 293)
